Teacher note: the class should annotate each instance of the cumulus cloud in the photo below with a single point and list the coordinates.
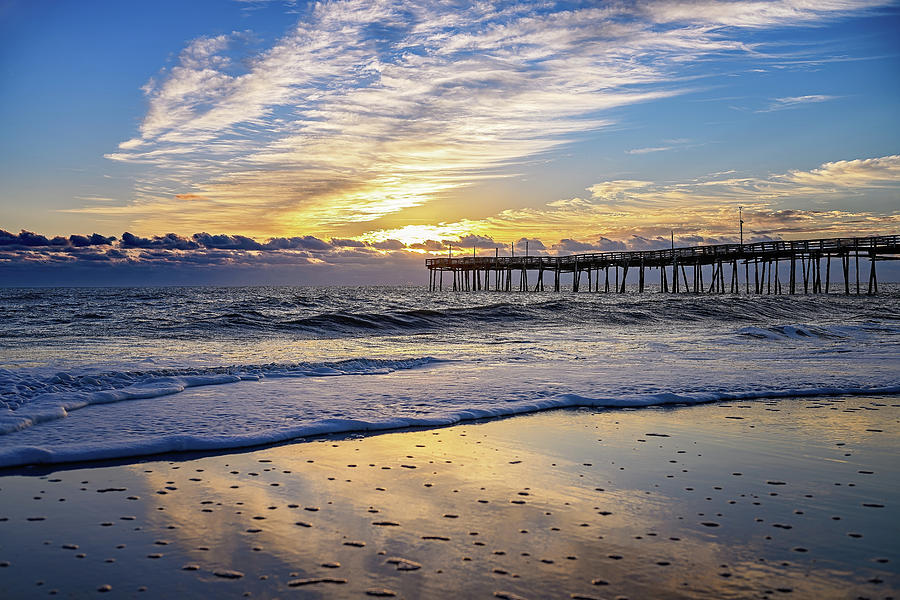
(429, 245)
(570, 246)
(227, 242)
(28, 238)
(532, 245)
(93, 240)
(31, 239)
(347, 243)
(389, 245)
(169, 241)
(476, 241)
(607, 245)
(307, 242)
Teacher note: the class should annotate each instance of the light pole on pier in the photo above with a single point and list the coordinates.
(674, 265)
(746, 262)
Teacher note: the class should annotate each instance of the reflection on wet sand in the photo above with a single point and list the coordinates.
(737, 500)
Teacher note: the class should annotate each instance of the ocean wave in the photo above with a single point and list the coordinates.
(14, 456)
(801, 331)
(341, 312)
(639, 311)
(344, 322)
(26, 399)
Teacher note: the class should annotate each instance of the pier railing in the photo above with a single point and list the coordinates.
(769, 254)
(884, 243)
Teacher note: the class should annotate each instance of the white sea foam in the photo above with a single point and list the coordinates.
(164, 443)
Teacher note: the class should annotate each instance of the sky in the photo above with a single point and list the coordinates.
(284, 142)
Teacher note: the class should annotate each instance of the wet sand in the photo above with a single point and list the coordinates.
(794, 498)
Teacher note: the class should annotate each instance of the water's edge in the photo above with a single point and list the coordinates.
(29, 455)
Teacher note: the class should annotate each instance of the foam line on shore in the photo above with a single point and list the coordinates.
(29, 455)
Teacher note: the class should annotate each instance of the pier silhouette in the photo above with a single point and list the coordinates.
(681, 270)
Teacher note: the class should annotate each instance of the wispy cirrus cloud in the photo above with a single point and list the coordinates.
(649, 149)
(790, 102)
(677, 144)
(751, 14)
(365, 109)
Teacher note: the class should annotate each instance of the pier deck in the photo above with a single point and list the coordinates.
(802, 259)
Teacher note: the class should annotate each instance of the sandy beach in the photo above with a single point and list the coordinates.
(764, 499)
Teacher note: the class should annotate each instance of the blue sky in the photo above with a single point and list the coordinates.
(403, 127)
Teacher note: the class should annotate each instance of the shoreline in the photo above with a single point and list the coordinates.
(32, 456)
(720, 500)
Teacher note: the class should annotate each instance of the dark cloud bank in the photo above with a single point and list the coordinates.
(31, 259)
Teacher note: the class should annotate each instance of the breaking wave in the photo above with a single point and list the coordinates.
(26, 399)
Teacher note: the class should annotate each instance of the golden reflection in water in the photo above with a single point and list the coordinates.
(673, 501)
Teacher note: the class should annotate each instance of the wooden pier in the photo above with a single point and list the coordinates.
(681, 270)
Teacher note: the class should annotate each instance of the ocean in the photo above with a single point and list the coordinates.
(116, 373)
